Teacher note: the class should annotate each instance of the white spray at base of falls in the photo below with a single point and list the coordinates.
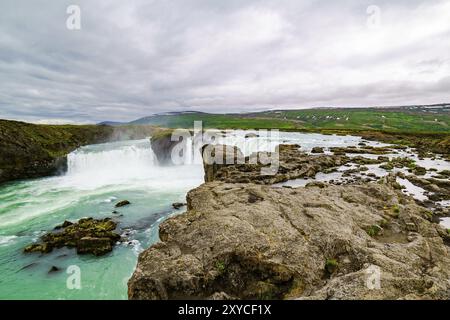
(112, 163)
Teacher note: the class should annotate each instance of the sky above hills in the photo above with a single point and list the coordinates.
(134, 58)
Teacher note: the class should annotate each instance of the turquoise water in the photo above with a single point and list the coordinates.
(98, 177)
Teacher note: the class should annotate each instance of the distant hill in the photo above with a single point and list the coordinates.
(112, 123)
(421, 118)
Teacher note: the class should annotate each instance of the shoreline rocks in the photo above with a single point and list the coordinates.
(123, 203)
(88, 236)
(178, 205)
(292, 164)
(242, 238)
(305, 243)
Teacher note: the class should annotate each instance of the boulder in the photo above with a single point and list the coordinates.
(122, 204)
(178, 205)
(289, 163)
(96, 246)
(87, 236)
(317, 150)
(314, 243)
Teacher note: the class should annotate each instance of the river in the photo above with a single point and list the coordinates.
(99, 176)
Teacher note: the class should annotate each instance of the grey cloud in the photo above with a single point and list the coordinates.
(135, 58)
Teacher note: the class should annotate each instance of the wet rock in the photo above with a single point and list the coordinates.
(399, 162)
(419, 171)
(43, 248)
(251, 135)
(292, 164)
(96, 246)
(162, 146)
(316, 184)
(178, 205)
(64, 225)
(53, 269)
(87, 236)
(317, 150)
(122, 204)
(363, 150)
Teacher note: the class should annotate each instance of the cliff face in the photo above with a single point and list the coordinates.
(31, 151)
(162, 146)
(254, 241)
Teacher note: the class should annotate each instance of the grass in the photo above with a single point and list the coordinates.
(331, 266)
(313, 119)
(424, 131)
(395, 209)
(220, 266)
(26, 149)
(373, 230)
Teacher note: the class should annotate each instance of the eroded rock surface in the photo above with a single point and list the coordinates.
(253, 241)
(292, 164)
(88, 236)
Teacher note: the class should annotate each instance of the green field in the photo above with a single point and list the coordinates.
(314, 119)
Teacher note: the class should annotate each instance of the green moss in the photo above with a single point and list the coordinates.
(395, 209)
(388, 166)
(220, 266)
(384, 223)
(429, 214)
(373, 230)
(331, 265)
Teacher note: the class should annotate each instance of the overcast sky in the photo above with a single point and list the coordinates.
(135, 58)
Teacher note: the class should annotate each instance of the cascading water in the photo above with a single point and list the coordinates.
(99, 176)
(111, 163)
(136, 155)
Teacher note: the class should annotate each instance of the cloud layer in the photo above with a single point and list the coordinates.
(135, 58)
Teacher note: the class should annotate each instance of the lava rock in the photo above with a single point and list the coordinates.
(87, 236)
(53, 269)
(178, 205)
(122, 204)
(96, 246)
(317, 150)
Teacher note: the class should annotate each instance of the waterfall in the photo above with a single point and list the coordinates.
(111, 162)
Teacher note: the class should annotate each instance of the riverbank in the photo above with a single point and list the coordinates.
(31, 151)
(244, 238)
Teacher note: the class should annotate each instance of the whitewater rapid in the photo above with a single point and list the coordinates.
(99, 176)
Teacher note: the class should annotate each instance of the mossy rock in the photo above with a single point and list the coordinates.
(88, 235)
(331, 266)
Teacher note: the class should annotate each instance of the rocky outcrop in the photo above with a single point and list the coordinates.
(122, 203)
(162, 146)
(363, 150)
(88, 235)
(292, 164)
(32, 151)
(251, 241)
(317, 150)
(243, 238)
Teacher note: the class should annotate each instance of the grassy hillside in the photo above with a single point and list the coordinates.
(394, 120)
(29, 150)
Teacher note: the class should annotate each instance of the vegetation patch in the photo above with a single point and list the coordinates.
(331, 265)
